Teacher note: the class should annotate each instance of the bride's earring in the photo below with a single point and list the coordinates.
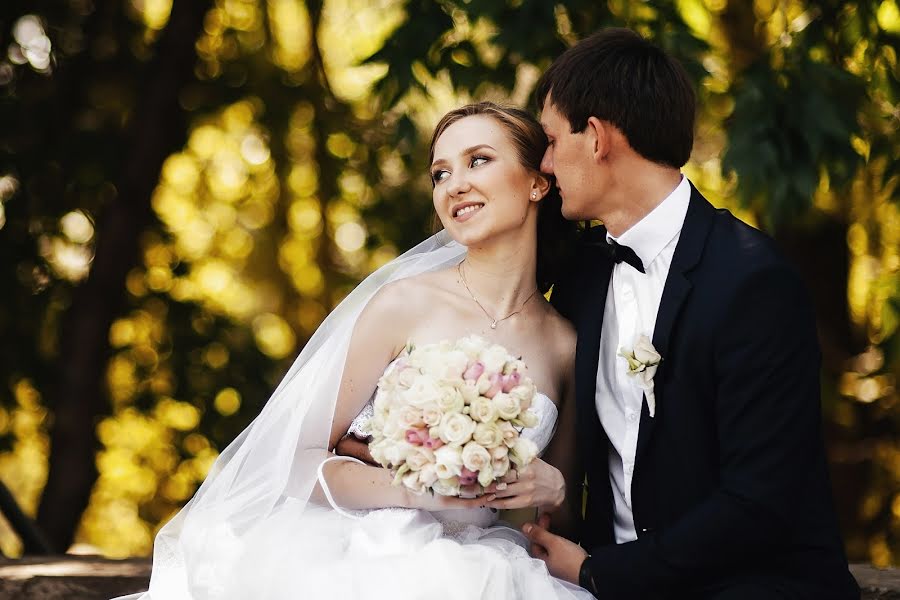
(533, 195)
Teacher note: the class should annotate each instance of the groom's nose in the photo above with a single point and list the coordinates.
(547, 161)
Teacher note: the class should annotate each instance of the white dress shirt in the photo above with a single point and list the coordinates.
(632, 302)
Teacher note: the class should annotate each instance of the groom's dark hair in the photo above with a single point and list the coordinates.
(619, 77)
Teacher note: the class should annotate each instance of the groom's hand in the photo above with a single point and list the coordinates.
(543, 521)
(563, 558)
(349, 445)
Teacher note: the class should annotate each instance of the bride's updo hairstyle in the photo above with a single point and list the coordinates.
(555, 235)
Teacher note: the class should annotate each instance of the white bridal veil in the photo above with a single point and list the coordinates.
(277, 456)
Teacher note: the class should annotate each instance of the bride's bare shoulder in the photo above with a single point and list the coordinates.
(411, 297)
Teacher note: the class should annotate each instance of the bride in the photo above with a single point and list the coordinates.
(281, 516)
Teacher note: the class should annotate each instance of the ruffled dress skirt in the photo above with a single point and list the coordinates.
(389, 554)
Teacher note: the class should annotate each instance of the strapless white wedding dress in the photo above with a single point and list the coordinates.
(394, 554)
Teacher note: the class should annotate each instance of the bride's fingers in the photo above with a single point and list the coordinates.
(509, 502)
(449, 502)
(471, 491)
(511, 476)
(506, 490)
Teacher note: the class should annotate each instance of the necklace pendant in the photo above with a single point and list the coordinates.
(494, 325)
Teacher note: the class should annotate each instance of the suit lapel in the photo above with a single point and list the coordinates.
(678, 286)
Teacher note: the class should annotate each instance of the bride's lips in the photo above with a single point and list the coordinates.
(473, 207)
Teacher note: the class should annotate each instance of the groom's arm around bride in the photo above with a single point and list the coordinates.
(712, 482)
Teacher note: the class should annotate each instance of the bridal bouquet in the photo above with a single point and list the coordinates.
(450, 414)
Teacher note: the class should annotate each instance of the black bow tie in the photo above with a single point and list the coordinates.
(620, 253)
(596, 237)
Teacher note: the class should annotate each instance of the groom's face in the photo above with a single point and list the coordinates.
(569, 158)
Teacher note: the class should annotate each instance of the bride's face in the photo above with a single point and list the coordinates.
(481, 189)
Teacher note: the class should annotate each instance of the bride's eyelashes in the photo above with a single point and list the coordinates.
(477, 159)
(439, 175)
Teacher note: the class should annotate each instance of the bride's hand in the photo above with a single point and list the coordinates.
(538, 484)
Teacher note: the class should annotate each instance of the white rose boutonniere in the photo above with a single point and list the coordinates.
(643, 360)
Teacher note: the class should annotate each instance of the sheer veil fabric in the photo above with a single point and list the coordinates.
(276, 458)
(252, 530)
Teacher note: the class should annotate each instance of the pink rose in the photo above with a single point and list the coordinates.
(474, 371)
(433, 443)
(467, 477)
(496, 385)
(417, 437)
(510, 381)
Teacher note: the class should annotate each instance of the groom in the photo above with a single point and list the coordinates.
(706, 478)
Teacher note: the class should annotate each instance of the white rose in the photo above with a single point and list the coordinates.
(388, 381)
(454, 363)
(486, 475)
(406, 377)
(510, 435)
(483, 383)
(523, 452)
(451, 401)
(446, 486)
(524, 393)
(469, 391)
(448, 461)
(475, 457)
(456, 429)
(645, 352)
(391, 428)
(471, 346)
(507, 406)
(494, 359)
(644, 379)
(428, 475)
(432, 364)
(422, 392)
(500, 466)
(414, 483)
(431, 415)
(419, 457)
(395, 453)
(482, 409)
(420, 356)
(517, 365)
(409, 416)
(499, 452)
(488, 435)
(529, 419)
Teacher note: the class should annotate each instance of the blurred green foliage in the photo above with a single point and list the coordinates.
(187, 188)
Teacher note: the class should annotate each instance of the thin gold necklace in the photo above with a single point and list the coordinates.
(486, 313)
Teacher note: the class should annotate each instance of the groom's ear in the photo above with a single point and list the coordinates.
(598, 136)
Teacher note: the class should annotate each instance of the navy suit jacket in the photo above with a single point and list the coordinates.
(730, 484)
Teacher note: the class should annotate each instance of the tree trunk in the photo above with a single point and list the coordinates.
(79, 398)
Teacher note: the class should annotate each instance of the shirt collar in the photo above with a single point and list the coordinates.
(651, 234)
